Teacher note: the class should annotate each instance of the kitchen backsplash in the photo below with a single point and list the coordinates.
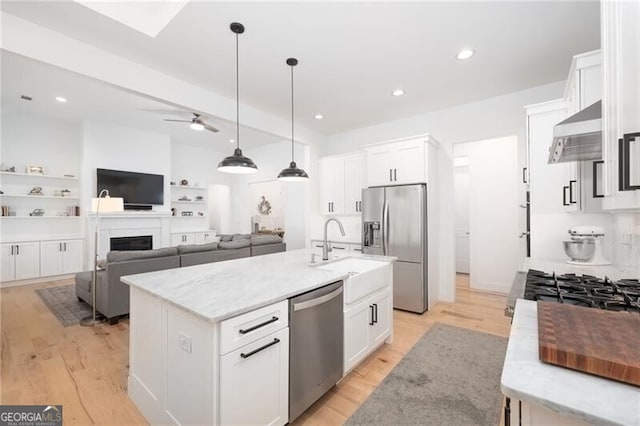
(352, 228)
(627, 239)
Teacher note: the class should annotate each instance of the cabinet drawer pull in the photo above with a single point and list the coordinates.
(395, 174)
(390, 175)
(524, 175)
(571, 183)
(597, 165)
(261, 348)
(18, 250)
(375, 313)
(12, 250)
(338, 248)
(371, 307)
(357, 249)
(255, 327)
(564, 196)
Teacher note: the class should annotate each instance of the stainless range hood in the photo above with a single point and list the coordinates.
(579, 137)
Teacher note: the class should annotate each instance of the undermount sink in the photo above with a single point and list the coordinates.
(365, 276)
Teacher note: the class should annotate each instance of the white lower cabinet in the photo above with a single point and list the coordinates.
(20, 261)
(367, 325)
(60, 257)
(525, 414)
(254, 382)
(204, 237)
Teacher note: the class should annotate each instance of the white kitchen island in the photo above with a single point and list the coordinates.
(193, 331)
(544, 394)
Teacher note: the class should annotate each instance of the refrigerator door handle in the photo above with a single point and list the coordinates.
(385, 228)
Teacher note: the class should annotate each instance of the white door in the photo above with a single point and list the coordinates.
(495, 254)
(27, 260)
(51, 258)
(408, 162)
(8, 272)
(357, 322)
(72, 256)
(382, 311)
(379, 166)
(354, 181)
(254, 382)
(461, 196)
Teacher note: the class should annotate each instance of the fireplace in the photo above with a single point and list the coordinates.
(140, 242)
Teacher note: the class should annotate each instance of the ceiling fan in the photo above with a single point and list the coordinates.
(196, 123)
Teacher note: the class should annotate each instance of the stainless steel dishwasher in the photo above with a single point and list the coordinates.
(315, 345)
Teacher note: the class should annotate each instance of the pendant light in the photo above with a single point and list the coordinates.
(237, 163)
(292, 173)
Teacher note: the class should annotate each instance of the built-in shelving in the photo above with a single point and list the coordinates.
(188, 187)
(39, 217)
(188, 202)
(37, 197)
(188, 217)
(39, 176)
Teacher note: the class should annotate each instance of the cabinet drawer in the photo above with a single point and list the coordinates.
(246, 328)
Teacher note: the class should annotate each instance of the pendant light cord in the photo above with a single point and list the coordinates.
(292, 157)
(237, 96)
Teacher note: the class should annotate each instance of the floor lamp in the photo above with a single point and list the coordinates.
(103, 204)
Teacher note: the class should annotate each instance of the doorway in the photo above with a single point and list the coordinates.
(487, 212)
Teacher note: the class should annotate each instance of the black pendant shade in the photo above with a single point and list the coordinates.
(237, 163)
(292, 173)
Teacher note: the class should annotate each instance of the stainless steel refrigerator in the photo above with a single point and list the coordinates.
(394, 220)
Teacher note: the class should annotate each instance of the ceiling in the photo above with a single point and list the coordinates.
(88, 99)
(352, 54)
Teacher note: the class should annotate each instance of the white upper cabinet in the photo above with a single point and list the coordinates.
(341, 183)
(396, 163)
(621, 103)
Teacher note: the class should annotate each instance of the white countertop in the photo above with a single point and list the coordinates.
(591, 398)
(614, 272)
(220, 290)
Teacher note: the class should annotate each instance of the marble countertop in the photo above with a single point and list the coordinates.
(615, 272)
(221, 290)
(593, 399)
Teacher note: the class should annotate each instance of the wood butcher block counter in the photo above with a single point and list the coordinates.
(568, 397)
(594, 341)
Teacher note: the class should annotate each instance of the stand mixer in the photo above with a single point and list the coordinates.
(585, 247)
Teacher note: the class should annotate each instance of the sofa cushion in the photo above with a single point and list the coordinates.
(228, 245)
(226, 237)
(262, 239)
(195, 248)
(83, 279)
(240, 237)
(124, 256)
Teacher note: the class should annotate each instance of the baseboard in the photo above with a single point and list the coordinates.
(40, 280)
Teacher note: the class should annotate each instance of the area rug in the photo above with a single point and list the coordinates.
(64, 304)
(450, 377)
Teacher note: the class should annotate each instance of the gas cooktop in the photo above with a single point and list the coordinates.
(584, 290)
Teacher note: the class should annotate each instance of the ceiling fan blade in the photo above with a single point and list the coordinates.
(210, 128)
(178, 121)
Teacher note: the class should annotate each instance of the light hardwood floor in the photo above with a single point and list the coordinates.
(85, 369)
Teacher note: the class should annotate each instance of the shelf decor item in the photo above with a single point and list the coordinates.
(36, 190)
(292, 173)
(37, 212)
(187, 213)
(33, 169)
(102, 204)
(184, 182)
(184, 198)
(237, 163)
(65, 193)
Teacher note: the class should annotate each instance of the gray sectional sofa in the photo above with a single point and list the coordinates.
(112, 296)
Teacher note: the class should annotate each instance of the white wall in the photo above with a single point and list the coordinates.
(271, 159)
(495, 250)
(461, 196)
(54, 144)
(110, 146)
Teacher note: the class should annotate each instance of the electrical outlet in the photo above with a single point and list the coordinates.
(185, 343)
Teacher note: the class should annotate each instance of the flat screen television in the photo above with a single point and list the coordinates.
(137, 189)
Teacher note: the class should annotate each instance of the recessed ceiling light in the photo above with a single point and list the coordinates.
(398, 92)
(465, 54)
(197, 126)
(61, 99)
(232, 141)
(318, 116)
